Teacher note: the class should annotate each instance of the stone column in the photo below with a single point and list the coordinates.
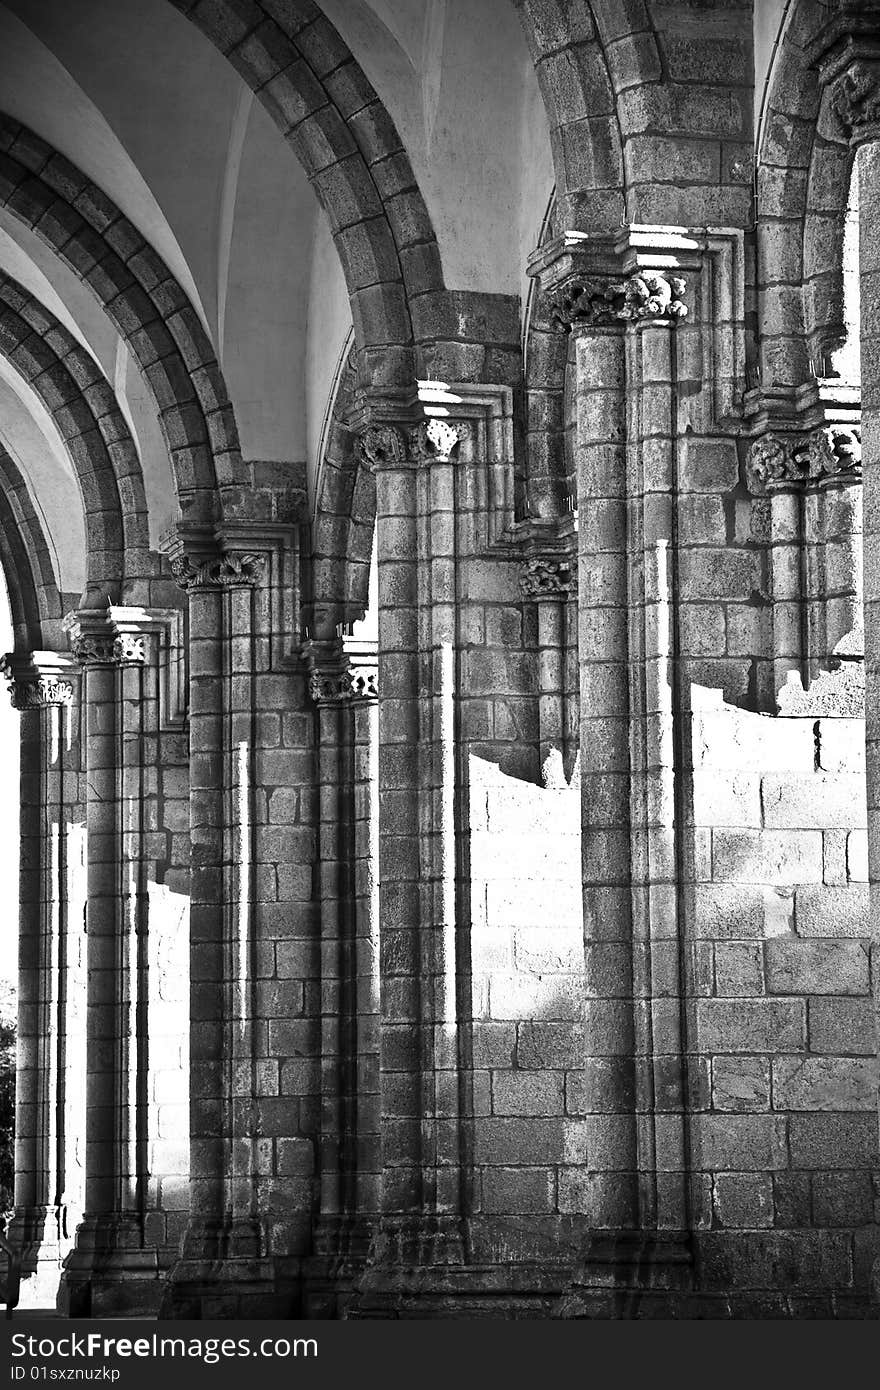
(50, 1097)
(630, 766)
(250, 1149)
(420, 1243)
(114, 1264)
(835, 462)
(549, 580)
(847, 52)
(343, 685)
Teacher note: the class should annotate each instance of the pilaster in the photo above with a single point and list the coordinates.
(50, 1103)
(623, 301)
(343, 684)
(250, 938)
(116, 1260)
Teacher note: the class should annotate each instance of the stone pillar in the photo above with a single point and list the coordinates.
(811, 478)
(835, 456)
(250, 955)
(343, 685)
(549, 580)
(50, 1097)
(114, 1264)
(848, 55)
(630, 765)
(419, 1244)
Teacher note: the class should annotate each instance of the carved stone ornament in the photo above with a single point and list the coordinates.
(651, 295)
(827, 453)
(90, 649)
(130, 649)
(338, 687)
(855, 96)
(226, 571)
(36, 692)
(380, 444)
(835, 450)
(436, 439)
(767, 462)
(543, 577)
(606, 302)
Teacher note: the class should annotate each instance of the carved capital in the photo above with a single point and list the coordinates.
(605, 302)
(547, 577)
(231, 569)
(825, 454)
(769, 464)
(129, 649)
(352, 683)
(437, 439)
(650, 295)
(835, 451)
(37, 692)
(380, 444)
(597, 303)
(91, 649)
(40, 693)
(855, 97)
(37, 680)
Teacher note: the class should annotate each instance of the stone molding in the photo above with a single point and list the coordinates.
(437, 439)
(854, 97)
(828, 454)
(548, 577)
(342, 671)
(340, 687)
(595, 302)
(37, 680)
(432, 440)
(380, 444)
(125, 649)
(231, 569)
(846, 52)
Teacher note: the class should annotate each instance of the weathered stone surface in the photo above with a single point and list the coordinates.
(816, 967)
(754, 1025)
(824, 1083)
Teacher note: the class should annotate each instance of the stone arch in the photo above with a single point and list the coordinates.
(46, 192)
(345, 519)
(85, 410)
(302, 71)
(621, 83)
(545, 487)
(804, 166)
(579, 96)
(35, 599)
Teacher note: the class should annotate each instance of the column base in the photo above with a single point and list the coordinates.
(224, 1272)
(111, 1270)
(623, 1274)
(40, 1233)
(268, 1287)
(341, 1247)
(420, 1268)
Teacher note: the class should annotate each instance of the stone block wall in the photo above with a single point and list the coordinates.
(530, 1014)
(783, 1053)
